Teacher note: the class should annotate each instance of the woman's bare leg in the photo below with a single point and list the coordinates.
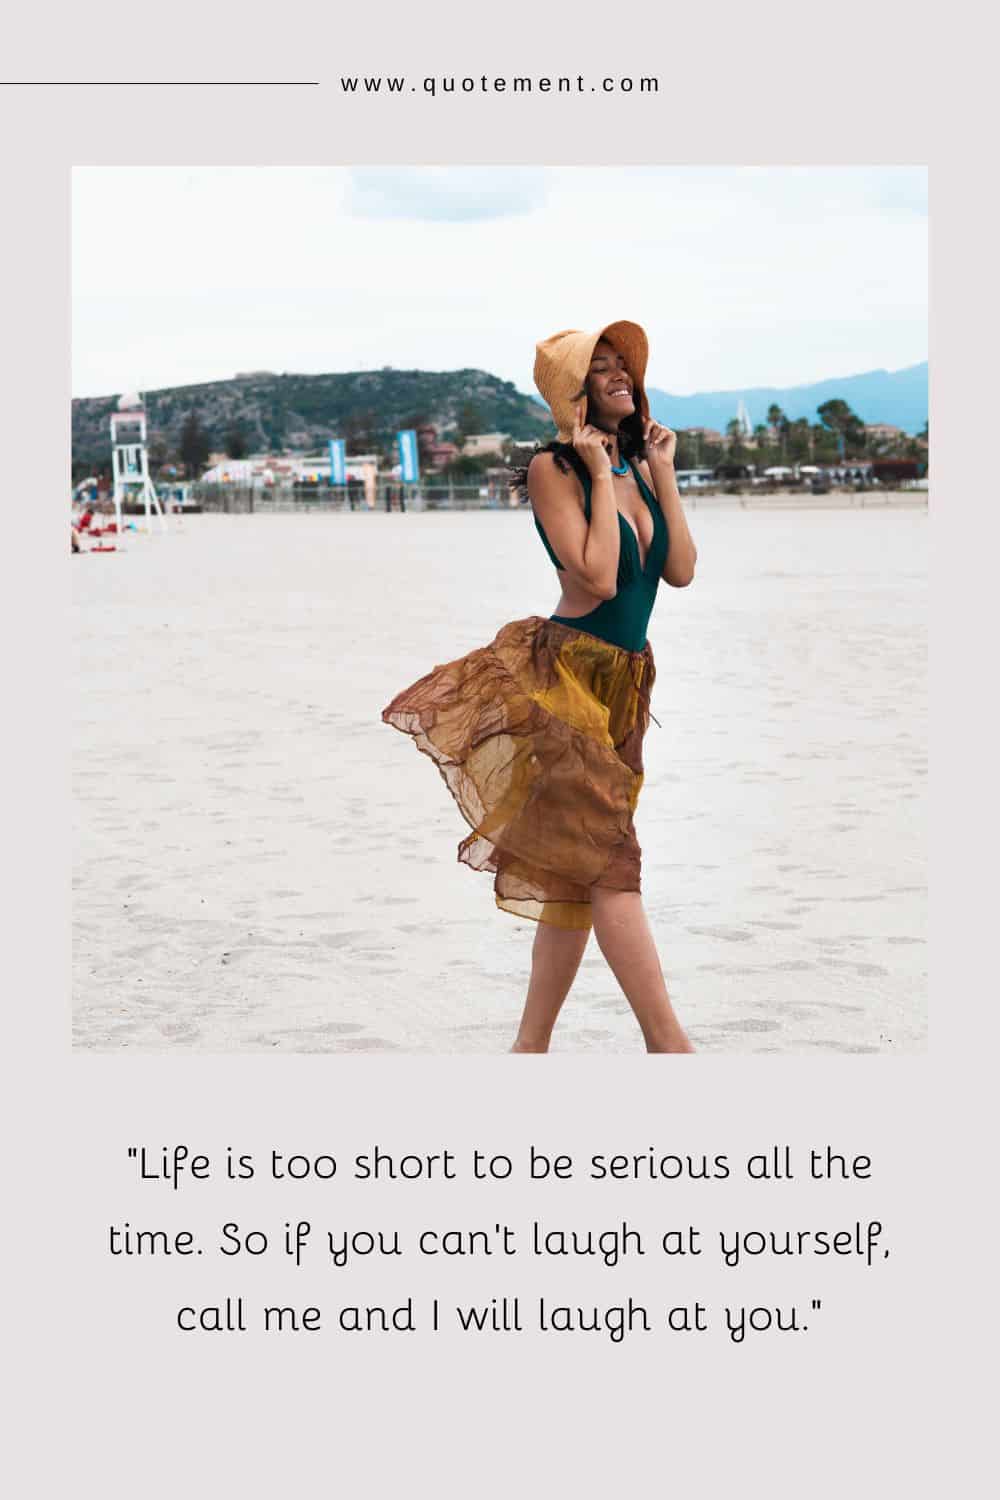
(624, 936)
(555, 958)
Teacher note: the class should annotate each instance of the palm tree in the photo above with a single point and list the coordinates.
(777, 419)
(846, 426)
(800, 438)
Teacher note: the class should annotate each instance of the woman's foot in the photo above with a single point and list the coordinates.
(525, 1045)
(672, 1039)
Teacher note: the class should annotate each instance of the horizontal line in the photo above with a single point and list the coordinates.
(159, 83)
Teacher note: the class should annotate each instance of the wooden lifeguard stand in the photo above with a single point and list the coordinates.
(130, 461)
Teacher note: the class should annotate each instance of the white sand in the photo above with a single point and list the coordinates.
(261, 863)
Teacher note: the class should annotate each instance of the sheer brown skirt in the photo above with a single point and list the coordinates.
(539, 737)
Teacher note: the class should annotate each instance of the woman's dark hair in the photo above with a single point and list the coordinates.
(631, 444)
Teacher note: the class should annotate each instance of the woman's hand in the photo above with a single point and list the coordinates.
(591, 444)
(661, 443)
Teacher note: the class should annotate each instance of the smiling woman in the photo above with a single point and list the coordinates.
(539, 735)
(626, 603)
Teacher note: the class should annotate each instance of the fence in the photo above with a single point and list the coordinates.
(490, 496)
(237, 499)
(242, 499)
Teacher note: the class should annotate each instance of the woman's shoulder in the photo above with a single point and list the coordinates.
(552, 455)
(552, 474)
(555, 467)
(556, 490)
(541, 461)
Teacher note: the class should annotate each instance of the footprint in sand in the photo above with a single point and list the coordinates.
(727, 934)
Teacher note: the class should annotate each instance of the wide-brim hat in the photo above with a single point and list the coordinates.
(562, 363)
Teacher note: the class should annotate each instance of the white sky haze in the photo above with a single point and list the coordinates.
(743, 276)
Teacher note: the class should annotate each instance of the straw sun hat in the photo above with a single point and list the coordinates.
(562, 362)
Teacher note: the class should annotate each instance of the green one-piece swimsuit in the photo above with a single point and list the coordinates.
(622, 621)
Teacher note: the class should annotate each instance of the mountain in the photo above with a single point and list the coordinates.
(897, 396)
(367, 407)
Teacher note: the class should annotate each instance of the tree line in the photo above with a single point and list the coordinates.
(840, 434)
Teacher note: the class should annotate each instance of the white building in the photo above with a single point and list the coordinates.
(477, 444)
(266, 470)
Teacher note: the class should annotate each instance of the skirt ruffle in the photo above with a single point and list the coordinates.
(539, 737)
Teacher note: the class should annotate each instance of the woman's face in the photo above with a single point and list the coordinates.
(609, 388)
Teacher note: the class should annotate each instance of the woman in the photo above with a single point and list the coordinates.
(539, 734)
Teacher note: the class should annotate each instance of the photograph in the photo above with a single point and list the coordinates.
(603, 488)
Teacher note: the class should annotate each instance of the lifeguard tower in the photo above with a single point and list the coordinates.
(130, 461)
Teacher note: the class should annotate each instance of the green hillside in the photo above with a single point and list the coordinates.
(367, 407)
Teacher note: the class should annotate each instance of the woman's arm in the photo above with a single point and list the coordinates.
(589, 553)
(661, 445)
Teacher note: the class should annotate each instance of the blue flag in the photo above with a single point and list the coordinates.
(408, 457)
(338, 461)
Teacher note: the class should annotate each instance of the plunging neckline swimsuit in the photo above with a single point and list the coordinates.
(622, 621)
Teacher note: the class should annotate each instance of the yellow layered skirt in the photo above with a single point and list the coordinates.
(539, 737)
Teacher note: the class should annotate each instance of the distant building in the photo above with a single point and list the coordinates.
(258, 469)
(264, 470)
(707, 434)
(479, 443)
(883, 431)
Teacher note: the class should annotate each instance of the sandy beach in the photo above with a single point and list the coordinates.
(261, 864)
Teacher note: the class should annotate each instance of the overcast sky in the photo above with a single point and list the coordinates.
(742, 276)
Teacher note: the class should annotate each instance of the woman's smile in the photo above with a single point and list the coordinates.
(610, 383)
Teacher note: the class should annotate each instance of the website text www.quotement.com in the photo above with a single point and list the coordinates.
(440, 84)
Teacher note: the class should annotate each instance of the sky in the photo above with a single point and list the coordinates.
(742, 275)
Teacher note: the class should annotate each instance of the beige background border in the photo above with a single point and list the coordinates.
(883, 1393)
